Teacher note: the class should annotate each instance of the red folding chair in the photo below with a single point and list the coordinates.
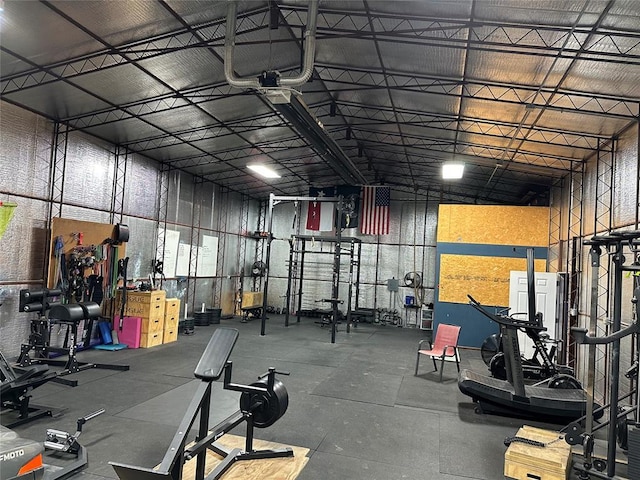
(445, 345)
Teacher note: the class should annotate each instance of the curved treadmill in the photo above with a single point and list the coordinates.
(498, 396)
(512, 397)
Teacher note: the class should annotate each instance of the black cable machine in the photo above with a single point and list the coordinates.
(512, 397)
(619, 428)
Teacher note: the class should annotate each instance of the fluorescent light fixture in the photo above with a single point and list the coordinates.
(263, 170)
(452, 170)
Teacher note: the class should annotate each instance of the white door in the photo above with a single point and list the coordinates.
(546, 291)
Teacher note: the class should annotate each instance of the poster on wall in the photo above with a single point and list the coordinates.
(171, 240)
(207, 256)
(182, 264)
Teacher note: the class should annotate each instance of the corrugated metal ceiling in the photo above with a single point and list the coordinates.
(523, 92)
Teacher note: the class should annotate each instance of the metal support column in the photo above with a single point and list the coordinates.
(119, 178)
(350, 289)
(222, 205)
(161, 207)
(335, 291)
(602, 223)
(57, 170)
(195, 242)
(616, 313)
(260, 245)
(554, 259)
(57, 167)
(269, 224)
(301, 255)
(241, 259)
(574, 258)
(289, 279)
(359, 258)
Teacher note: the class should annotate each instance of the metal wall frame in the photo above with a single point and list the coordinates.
(222, 205)
(196, 211)
(119, 180)
(602, 223)
(574, 258)
(163, 202)
(57, 169)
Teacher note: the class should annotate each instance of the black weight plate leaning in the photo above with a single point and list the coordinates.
(266, 407)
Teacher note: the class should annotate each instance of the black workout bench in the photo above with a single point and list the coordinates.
(69, 316)
(261, 405)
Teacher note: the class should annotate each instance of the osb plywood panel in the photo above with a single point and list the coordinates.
(92, 234)
(286, 468)
(484, 278)
(494, 225)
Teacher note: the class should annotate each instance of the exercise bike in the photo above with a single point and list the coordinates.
(556, 399)
(540, 366)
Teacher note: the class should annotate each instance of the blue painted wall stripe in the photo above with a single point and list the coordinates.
(475, 326)
(509, 251)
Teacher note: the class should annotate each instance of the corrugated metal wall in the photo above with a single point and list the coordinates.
(606, 198)
(86, 191)
(607, 192)
(409, 247)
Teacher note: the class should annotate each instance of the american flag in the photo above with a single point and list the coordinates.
(375, 210)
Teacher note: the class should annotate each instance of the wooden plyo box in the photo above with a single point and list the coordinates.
(171, 313)
(151, 325)
(153, 339)
(144, 304)
(252, 299)
(170, 335)
(528, 462)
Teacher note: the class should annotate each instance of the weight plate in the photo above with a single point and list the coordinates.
(574, 434)
(497, 366)
(623, 432)
(565, 382)
(267, 407)
(490, 347)
(600, 465)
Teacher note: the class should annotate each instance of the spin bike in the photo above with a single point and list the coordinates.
(540, 366)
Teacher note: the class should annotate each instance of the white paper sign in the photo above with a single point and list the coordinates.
(208, 256)
(182, 265)
(171, 240)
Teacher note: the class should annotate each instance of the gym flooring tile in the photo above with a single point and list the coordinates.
(114, 393)
(169, 408)
(394, 436)
(124, 440)
(329, 466)
(350, 382)
(307, 422)
(473, 448)
(305, 377)
(382, 362)
(429, 394)
(334, 357)
(355, 404)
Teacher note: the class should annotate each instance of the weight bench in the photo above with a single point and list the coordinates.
(261, 405)
(16, 387)
(69, 315)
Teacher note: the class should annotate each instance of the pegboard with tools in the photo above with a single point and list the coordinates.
(83, 258)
